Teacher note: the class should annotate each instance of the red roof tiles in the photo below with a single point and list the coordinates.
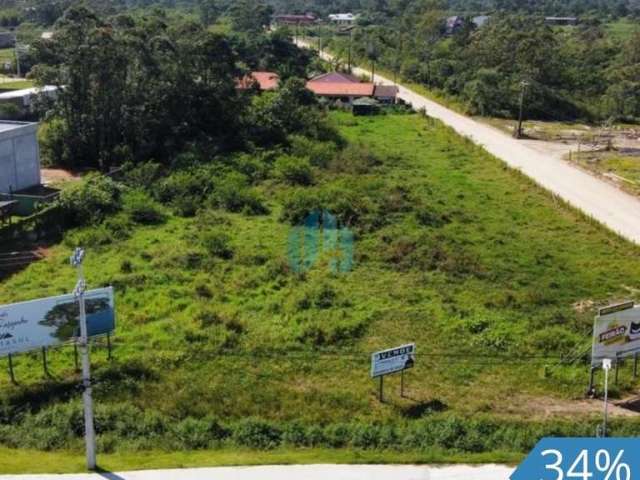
(344, 89)
(265, 81)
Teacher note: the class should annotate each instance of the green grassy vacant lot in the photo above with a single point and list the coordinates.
(494, 280)
(7, 54)
(623, 29)
(15, 85)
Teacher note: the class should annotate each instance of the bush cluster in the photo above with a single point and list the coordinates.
(127, 426)
(90, 200)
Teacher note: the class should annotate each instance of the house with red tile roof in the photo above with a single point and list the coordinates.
(265, 81)
(347, 88)
(344, 91)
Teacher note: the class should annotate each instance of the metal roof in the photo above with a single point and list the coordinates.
(27, 92)
(8, 126)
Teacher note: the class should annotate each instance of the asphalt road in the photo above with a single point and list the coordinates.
(598, 199)
(297, 472)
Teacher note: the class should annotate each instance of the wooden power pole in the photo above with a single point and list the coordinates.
(523, 87)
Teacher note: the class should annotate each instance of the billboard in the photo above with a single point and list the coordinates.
(616, 333)
(393, 360)
(52, 321)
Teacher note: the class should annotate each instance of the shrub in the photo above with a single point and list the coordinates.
(90, 200)
(126, 266)
(195, 434)
(428, 218)
(186, 205)
(319, 154)
(191, 182)
(294, 170)
(119, 226)
(256, 434)
(298, 205)
(90, 237)
(141, 208)
(144, 175)
(217, 244)
(53, 148)
(232, 193)
(208, 318)
(355, 159)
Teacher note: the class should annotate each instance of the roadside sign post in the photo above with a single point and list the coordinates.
(390, 361)
(606, 365)
(616, 336)
(45, 364)
(12, 374)
(90, 435)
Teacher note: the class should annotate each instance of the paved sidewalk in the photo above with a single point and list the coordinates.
(297, 472)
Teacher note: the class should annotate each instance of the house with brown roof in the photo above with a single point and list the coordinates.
(306, 19)
(346, 92)
(265, 81)
(386, 93)
(347, 88)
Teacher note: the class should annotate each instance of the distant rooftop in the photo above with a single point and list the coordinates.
(345, 89)
(264, 80)
(336, 77)
(26, 92)
(342, 17)
(8, 125)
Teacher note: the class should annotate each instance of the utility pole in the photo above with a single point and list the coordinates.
(349, 50)
(18, 70)
(79, 291)
(523, 87)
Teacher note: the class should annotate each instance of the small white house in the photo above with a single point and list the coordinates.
(19, 156)
(343, 18)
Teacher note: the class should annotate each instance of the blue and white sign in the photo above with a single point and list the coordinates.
(582, 458)
(52, 321)
(393, 360)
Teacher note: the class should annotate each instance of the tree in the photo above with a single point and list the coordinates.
(250, 16)
(138, 88)
(209, 11)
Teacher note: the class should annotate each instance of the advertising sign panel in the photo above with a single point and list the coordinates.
(53, 321)
(616, 333)
(393, 360)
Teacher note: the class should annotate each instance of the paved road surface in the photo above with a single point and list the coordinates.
(597, 198)
(300, 472)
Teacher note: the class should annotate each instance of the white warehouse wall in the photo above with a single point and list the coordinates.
(19, 156)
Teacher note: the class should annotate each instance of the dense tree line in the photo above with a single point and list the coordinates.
(578, 72)
(149, 86)
(614, 8)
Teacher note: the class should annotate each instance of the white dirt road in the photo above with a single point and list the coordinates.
(604, 202)
(297, 472)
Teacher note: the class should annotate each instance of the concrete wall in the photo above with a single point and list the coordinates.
(19, 156)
